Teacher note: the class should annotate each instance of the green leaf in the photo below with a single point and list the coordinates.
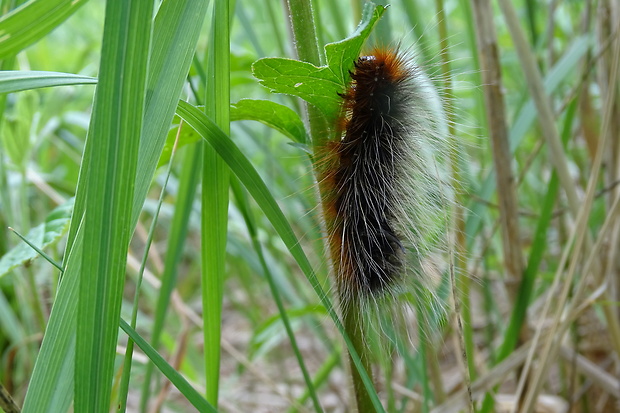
(51, 385)
(10, 324)
(341, 55)
(33, 20)
(177, 27)
(175, 378)
(248, 216)
(214, 197)
(246, 173)
(188, 181)
(279, 117)
(319, 86)
(55, 226)
(114, 139)
(18, 80)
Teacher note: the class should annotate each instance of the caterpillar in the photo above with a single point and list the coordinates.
(384, 195)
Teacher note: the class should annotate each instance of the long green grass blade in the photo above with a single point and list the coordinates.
(51, 386)
(33, 20)
(124, 387)
(176, 31)
(188, 181)
(246, 173)
(248, 216)
(18, 80)
(116, 128)
(215, 187)
(175, 35)
(179, 382)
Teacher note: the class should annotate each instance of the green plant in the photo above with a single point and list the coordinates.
(271, 307)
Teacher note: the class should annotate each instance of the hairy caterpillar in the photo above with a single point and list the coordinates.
(384, 195)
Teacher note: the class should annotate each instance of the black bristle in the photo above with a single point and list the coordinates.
(364, 181)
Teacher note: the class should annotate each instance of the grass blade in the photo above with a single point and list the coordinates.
(51, 386)
(33, 20)
(116, 128)
(215, 187)
(17, 80)
(250, 223)
(188, 182)
(180, 383)
(246, 173)
(176, 31)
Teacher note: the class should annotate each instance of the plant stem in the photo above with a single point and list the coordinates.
(353, 325)
(306, 45)
(307, 48)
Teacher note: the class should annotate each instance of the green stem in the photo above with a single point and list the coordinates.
(307, 47)
(306, 44)
(354, 326)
